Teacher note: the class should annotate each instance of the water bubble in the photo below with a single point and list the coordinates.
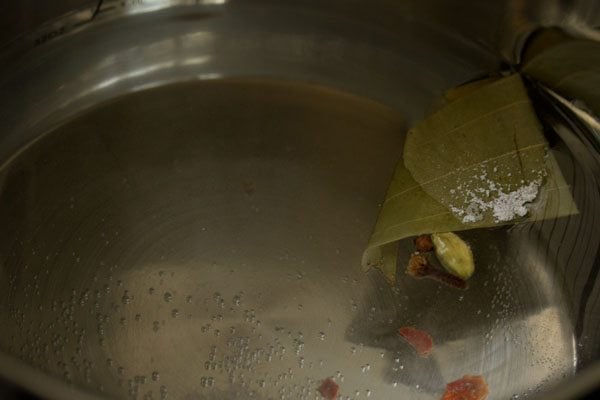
(126, 298)
(206, 381)
(163, 392)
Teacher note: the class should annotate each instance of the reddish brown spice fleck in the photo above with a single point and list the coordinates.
(329, 389)
(420, 340)
(248, 187)
(469, 387)
(423, 243)
(419, 267)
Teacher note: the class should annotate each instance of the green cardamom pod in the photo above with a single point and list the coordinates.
(454, 254)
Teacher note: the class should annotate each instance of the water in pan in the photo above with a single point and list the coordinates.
(203, 241)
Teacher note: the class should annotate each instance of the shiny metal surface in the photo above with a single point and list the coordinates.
(187, 187)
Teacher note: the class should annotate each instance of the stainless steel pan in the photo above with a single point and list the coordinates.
(186, 188)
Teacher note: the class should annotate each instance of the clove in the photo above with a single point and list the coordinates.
(419, 267)
(423, 243)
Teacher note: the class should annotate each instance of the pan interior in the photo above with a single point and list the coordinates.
(203, 241)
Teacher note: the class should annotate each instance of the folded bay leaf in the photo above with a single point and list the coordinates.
(485, 143)
(569, 66)
(487, 135)
(467, 88)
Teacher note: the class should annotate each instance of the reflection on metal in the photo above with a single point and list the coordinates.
(133, 7)
(195, 60)
(580, 112)
(133, 74)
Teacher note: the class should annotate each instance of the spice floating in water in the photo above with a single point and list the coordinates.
(248, 187)
(469, 387)
(329, 389)
(419, 267)
(420, 340)
(454, 254)
(424, 243)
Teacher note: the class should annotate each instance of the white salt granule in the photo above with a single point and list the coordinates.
(478, 195)
(504, 206)
(508, 206)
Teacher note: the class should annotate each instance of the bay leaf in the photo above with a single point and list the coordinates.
(480, 145)
(569, 66)
(467, 88)
(489, 131)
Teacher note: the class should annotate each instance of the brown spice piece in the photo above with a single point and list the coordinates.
(419, 267)
(469, 387)
(424, 243)
(329, 389)
(420, 340)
